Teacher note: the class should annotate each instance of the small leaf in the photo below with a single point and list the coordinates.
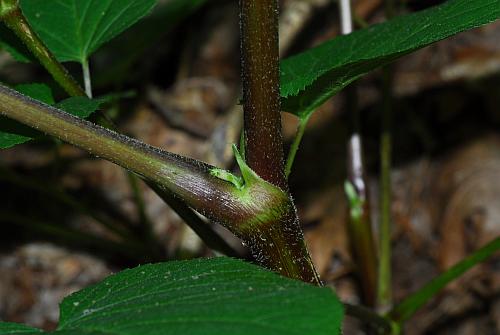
(310, 78)
(219, 296)
(74, 29)
(40, 92)
(79, 106)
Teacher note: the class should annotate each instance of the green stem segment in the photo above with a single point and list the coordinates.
(384, 295)
(359, 228)
(11, 15)
(295, 144)
(86, 78)
(258, 212)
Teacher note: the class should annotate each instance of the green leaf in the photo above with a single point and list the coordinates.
(74, 29)
(8, 328)
(13, 132)
(40, 92)
(411, 304)
(219, 296)
(79, 106)
(310, 78)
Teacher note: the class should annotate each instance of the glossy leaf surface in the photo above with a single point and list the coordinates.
(218, 296)
(310, 78)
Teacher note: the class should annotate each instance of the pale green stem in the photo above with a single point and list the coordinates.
(295, 144)
(86, 78)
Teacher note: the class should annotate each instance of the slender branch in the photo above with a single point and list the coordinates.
(258, 212)
(35, 44)
(187, 178)
(260, 76)
(384, 295)
(384, 279)
(359, 227)
(295, 144)
(11, 15)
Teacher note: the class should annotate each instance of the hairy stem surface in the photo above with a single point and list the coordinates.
(276, 237)
(260, 76)
(255, 210)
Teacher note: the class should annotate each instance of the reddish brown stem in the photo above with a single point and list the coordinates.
(260, 75)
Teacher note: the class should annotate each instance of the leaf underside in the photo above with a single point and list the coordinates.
(310, 78)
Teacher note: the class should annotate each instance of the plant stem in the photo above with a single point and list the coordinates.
(345, 16)
(359, 227)
(260, 76)
(86, 78)
(295, 144)
(185, 177)
(384, 295)
(411, 304)
(275, 238)
(258, 212)
(44, 55)
(11, 15)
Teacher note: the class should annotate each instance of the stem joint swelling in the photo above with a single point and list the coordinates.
(267, 222)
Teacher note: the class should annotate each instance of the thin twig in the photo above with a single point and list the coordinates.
(360, 230)
(384, 295)
(295, 144)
